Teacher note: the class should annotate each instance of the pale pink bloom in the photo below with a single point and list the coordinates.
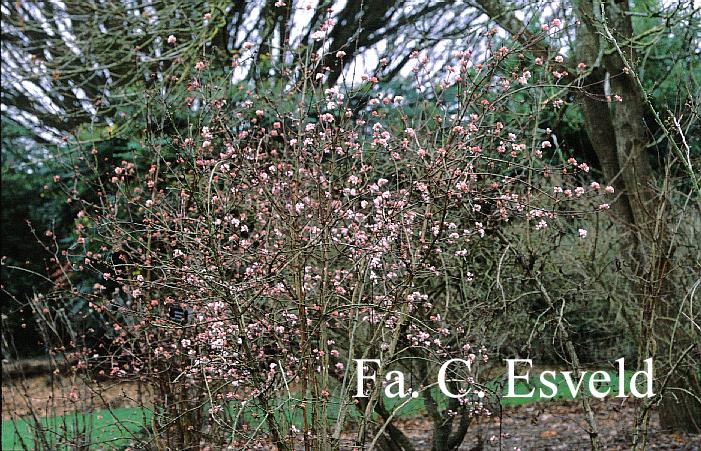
(581, 66)
(555, 22)
(200, 65)
(280, 4)
(545, 144)
(73, 395)
(609, 189)
(595, 185)
(172, 39)
(247, 45)
(539, 61)
(618, 98)
(604, 207)
(340, 54)
(559, 59)
(582, 233)
(208, 16)
(523, 79)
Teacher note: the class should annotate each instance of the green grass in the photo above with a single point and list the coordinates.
(114, 430)
(109, 429)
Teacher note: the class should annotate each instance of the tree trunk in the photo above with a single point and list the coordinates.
(620, 140)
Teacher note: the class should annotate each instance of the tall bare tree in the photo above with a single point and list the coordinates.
(622, 137)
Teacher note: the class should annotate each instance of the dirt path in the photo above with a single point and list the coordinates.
(49, 397)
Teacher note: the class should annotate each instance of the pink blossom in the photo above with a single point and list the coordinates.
(609, 189)
(582, 233)
(172, 39)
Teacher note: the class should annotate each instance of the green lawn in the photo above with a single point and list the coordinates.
(113, 430)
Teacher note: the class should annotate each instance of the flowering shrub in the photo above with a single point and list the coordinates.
(255, 244)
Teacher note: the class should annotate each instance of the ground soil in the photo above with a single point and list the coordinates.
(558, 426)
(49, 396)
(543, 426)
